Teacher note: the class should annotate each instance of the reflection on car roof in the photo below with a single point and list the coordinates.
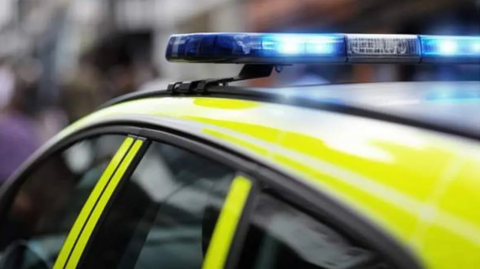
(453, 104)
(448, 105)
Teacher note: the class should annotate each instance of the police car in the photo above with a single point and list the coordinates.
(206, 175)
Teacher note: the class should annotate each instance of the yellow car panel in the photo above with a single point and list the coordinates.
(392, 174)
(452, 237)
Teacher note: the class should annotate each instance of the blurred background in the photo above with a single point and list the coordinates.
(60, 59)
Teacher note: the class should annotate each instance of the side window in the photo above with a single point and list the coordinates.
(164, 215)
(282, 237)
(47, 204)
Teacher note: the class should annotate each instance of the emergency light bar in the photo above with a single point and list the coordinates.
(279, 49)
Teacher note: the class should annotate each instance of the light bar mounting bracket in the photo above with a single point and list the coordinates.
(249, 71)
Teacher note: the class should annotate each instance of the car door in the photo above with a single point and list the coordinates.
(44, 207)
(176, 204)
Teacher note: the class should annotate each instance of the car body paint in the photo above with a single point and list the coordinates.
(407, 180)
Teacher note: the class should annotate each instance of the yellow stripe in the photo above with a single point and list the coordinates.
(102, 203)
(227, 223)
(90, 203)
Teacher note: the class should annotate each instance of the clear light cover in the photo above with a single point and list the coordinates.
(284, 49)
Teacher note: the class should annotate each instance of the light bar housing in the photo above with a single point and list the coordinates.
(284, 49)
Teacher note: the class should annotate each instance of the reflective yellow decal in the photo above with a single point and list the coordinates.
(102, 203)
(227, 223)
(90, 203)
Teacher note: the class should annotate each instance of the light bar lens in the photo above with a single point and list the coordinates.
(442, 48)
(302, 45)
(254, 48)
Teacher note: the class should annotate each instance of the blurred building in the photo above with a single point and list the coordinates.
(135, 32)
(120, 38)
(125, 39)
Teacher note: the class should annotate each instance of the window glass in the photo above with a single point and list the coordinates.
(164, 215)
(282, 237)
(51, 197)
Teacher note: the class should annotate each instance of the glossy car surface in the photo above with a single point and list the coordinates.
(394, 165)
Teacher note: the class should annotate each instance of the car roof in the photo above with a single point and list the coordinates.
(442, 105)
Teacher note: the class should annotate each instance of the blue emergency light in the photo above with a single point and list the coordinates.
(281, 49)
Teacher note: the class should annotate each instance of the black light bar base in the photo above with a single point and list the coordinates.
(249, 71)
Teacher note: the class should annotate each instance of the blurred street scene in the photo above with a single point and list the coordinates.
(61, 59)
